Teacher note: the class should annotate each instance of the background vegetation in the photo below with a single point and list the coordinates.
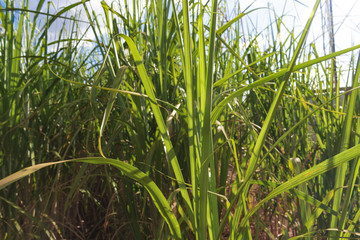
(169, 125)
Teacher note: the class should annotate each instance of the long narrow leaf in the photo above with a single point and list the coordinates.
(129, 170)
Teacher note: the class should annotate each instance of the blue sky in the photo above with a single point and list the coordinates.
(296, 12)
(345, 12)
(346, 15)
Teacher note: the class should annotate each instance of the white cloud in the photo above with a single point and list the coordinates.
(295, 14)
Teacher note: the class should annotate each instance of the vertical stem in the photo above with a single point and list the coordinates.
(330, 16)
(190, 101)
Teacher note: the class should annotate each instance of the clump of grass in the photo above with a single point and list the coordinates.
(166, 126)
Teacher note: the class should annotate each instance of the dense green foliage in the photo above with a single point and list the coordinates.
(168, 124)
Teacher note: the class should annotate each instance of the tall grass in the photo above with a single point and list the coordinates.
(169, 126)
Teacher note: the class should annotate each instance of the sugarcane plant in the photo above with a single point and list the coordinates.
(169, 125)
